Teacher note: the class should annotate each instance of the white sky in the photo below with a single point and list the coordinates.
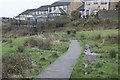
(11, 8)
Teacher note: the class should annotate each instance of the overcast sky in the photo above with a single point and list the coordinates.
(11, 8)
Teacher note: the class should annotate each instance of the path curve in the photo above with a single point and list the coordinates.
(63, 66)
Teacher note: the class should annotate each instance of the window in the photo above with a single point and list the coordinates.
(44, 12)
(36, 13)
(33, 13)
(87, 12)
(116, 6)
(103, 1)
(64, 7)
(39, 12)
(54, 8)
(94, 11)
(95, 2)
(88, 3)
(50, 10)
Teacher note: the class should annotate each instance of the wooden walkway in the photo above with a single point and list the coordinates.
(63, 66)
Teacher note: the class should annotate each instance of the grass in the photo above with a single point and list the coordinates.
(109, 68)
(40, 58)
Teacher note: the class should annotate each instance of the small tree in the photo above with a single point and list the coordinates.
(75, 14)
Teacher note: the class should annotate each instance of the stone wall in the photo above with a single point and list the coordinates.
(108, 14)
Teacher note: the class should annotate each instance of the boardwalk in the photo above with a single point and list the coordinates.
(63, 66)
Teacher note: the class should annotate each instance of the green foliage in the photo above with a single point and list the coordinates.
(75, 15)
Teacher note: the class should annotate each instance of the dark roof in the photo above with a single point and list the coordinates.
(60, 3)
(62, 11)
(81, 8)
(27, 11)
(43, 8)
(58, 11)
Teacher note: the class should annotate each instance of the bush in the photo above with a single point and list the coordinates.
(43, 59)
(55, 55)
(92, 20)
(113, 39)
(7, 40)
(113, 53)
(40, 42)
(96, 36)
(98, 65)
(15, 64)
(21, 49)
(31, 42)
(75, 14)
(68, 32)
(4, 40)
(56, 23)
(74, 31)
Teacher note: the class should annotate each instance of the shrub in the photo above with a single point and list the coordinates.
(11, 45)
(31, 42)
(75, 14)
(4, 40)
(21, 49)
(7, 40)
(45, 44)
(43, 59)
(82, 36)
(98, 65)
(74, 31)
(96, 36)
(68, 32)
(15, 64)
(40, 42)
(113, 53)
(55, 55)
(113, 39)
(92, 20)
(15, 37)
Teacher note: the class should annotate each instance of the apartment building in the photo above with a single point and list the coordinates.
(93, 6)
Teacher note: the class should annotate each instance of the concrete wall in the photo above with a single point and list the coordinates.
(108, 14)
(73, 6)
